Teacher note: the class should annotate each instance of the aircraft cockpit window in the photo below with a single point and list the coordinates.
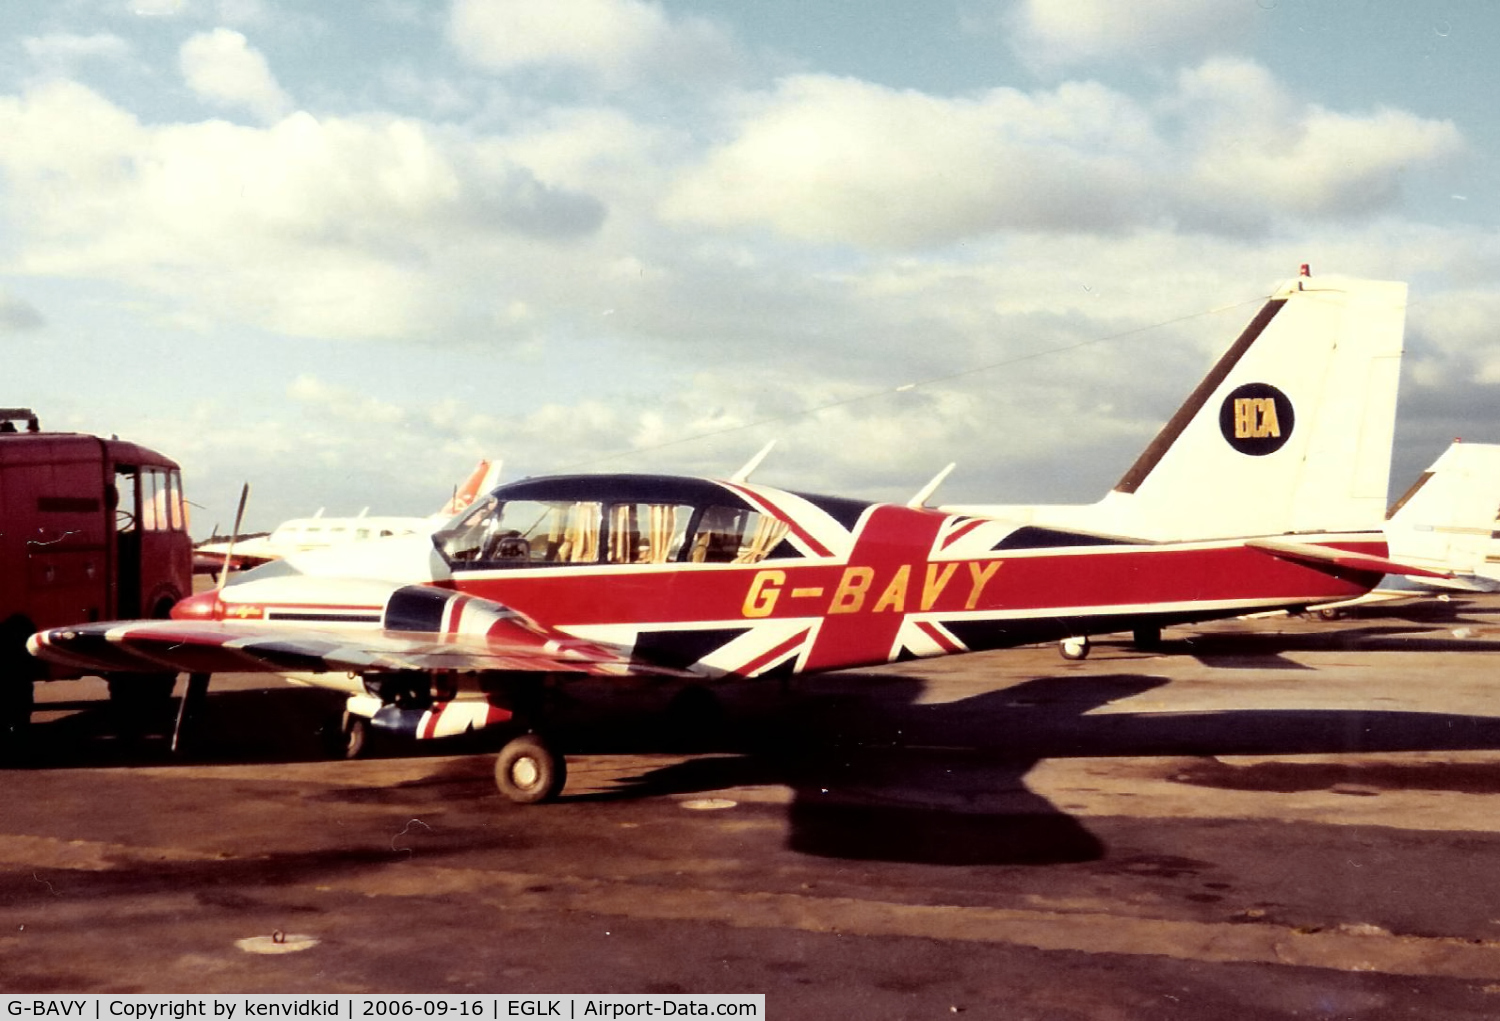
(735, 535)
(524, 533)
(533, 533)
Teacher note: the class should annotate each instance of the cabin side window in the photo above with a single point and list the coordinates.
(735, 535)
(647, 533)
(533, 533)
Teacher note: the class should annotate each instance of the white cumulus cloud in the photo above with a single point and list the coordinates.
(1060, 33)
(842, 160)
(223, 68)
(619, 42)
(336, 227)
(838, 160)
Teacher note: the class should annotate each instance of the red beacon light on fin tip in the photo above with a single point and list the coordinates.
(1305, 270)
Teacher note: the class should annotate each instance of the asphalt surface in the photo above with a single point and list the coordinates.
(1268, 819)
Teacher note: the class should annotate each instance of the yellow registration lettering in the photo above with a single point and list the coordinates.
(760, 601)
(853, 587)
(980, 577)
(937, 580)
(894, 596)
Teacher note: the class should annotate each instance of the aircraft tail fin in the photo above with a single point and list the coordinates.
(1447, 516)
(484, 477)
(1290, 431)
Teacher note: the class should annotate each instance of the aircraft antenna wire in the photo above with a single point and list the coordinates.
(871, 395)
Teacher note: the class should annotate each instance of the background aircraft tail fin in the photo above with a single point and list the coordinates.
(484, 477)
(1446, 517)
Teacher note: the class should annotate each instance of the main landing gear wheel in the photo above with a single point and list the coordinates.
(351, 739)
(1074, 648)
(529, 770)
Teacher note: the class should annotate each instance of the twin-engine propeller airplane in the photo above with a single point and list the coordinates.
(687, 580)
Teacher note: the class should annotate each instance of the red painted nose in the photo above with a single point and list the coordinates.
(203, 606)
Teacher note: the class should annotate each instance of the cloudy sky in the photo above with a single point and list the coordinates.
(343, 250)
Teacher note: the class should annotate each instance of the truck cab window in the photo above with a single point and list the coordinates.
(124, 499)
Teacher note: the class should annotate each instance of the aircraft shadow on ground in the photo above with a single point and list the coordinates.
(247, 726)
(887, 778)
(875, 773)
(1264, 651)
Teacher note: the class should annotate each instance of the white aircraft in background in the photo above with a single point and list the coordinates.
(1290, 430)
(1442, 523)
(298, 535)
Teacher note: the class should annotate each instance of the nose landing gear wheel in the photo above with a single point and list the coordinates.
(529, 770)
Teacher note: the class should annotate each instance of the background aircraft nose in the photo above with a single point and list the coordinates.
(203, 606)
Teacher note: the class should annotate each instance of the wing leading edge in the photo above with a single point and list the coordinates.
(434, 630)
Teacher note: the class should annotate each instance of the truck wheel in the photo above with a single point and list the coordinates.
(528, 770)
(17, 672)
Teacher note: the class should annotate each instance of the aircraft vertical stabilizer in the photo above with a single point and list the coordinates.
(1445, 518)
(1290, 431)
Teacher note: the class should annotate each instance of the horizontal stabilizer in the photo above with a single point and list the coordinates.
(1332, 559)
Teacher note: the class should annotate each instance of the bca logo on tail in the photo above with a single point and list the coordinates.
(1256, 419)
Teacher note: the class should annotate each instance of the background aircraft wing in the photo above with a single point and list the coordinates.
(471, 636)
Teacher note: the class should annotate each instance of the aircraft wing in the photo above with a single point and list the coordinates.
(468, 635)
(1336, 559)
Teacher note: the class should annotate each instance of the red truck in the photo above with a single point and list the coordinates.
(90, 529)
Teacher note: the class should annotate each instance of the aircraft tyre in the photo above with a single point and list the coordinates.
(529, 770)
(351, 739)
(1330, 613)
(1074, 648)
